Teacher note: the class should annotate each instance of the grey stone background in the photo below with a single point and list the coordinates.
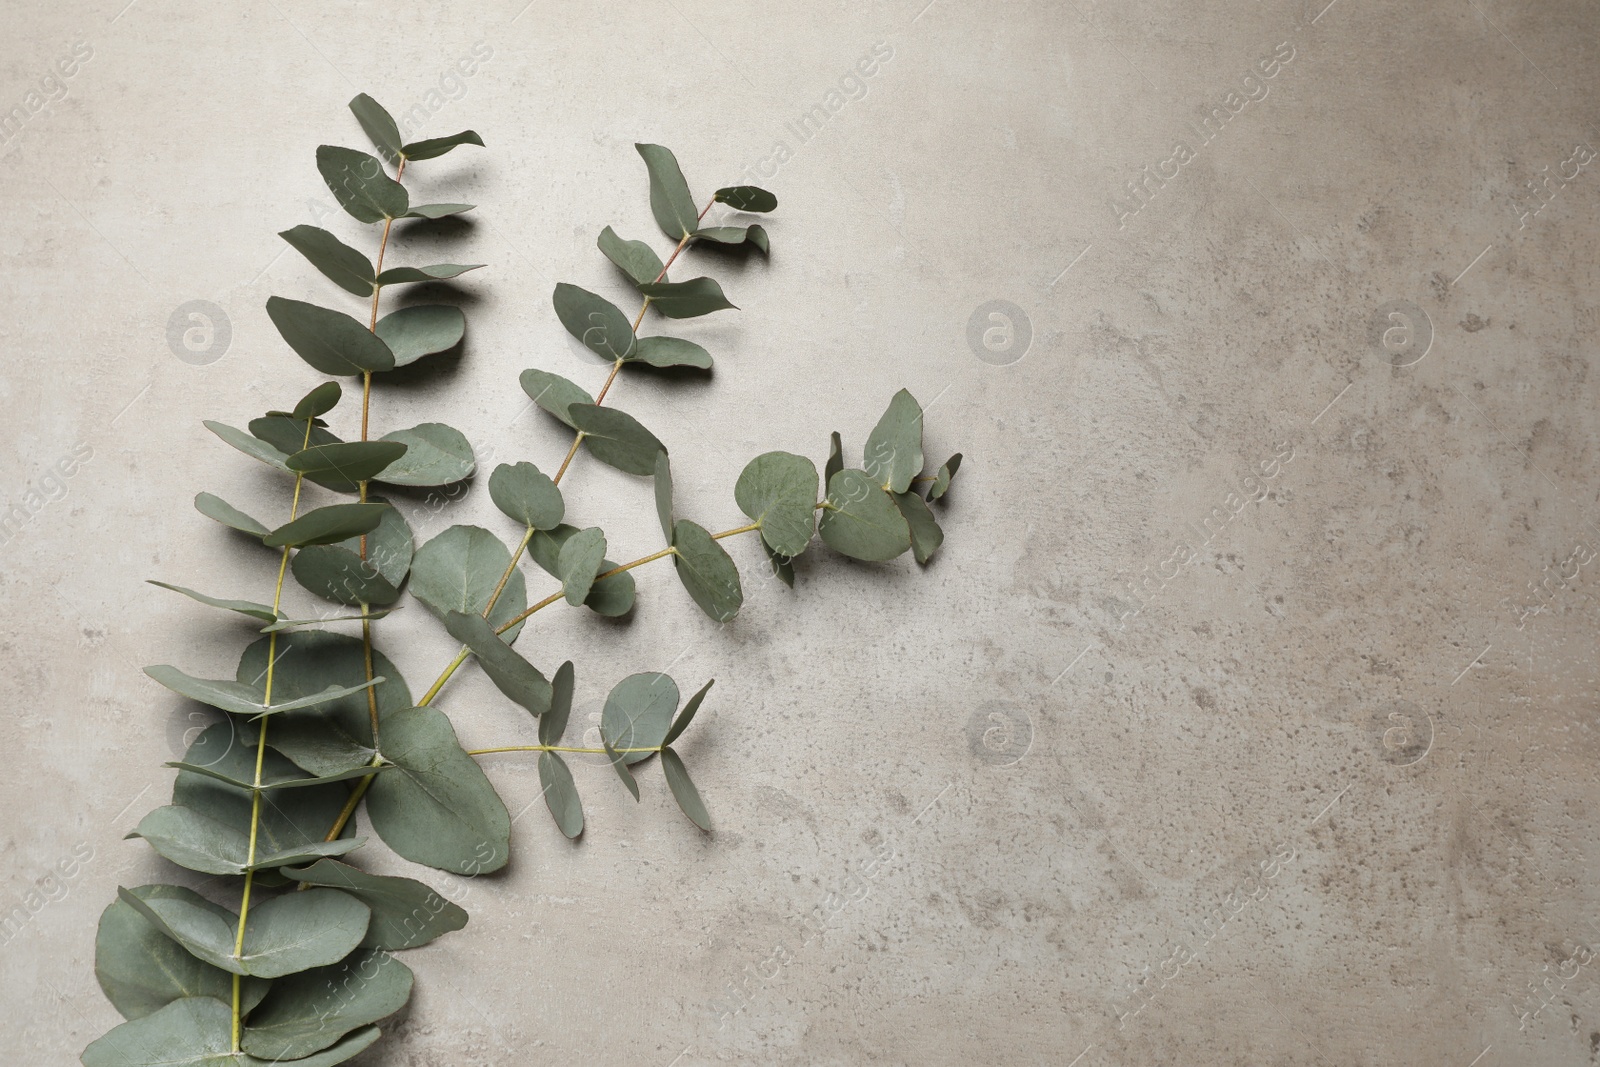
(1348, 705)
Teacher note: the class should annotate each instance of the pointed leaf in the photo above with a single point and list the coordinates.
(289, 434)
(459, 571)
(579, 562)
(553, 723)
(510, 673)
(616, 438)
(635, 258)
(291, 624)
(334, 572)
(435, 454)
(706, 570)
(561, 793)
(835, 462)
(686, 300)
(423, 330)
(142, 970)
(405, 912)
(941, 481)
(251, 446)
(284, 935)
(737, 235)
(779, 491)
(327, 526)
(747, 198)
(438, 808)
(242, 699)
(638, 713)
(379, 125)
(553, 393)
(670, 352)
(437, 211)
(331, 341)
(194, 840)
(214, 507)
(620, 765)
(861, 520)
(361, 186)
(343, 265)
(893, 454)
(782, 566)
(524, 493)
(435, 272)
(307, 1012)
(683, 790)
(438, 146)
(196, 1032)
(926, 537)
(611, 596)
(664, 495)
(687, 715)
(254, 610)
(670, 200)
(347, 463)
(319, 401)
(596, 322)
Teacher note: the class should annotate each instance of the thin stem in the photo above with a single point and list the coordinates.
(555, 748)
(736, 530)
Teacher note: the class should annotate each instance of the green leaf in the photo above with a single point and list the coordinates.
(779, 491)
(561, 793)
(197, 1032)
(327, 526)
(319, 401)
(214, 507)
(737, 235)
(747, 198)
(437, 211)
(670, 201)
(289, 435)
(782, 565)
(240, 698)
(293, 779)
(861, 520)
(635, 258)
(335, 573)
(686, 300)
(616, 438)
(405, 912)
(893, 455)
(253, 447)
(670, 352)
(510, 673)
(438, 808)
(687, 715)
(435, 272)
(361, 186)
(523, 492)
(438, 146)
(553, 393)
(941, 481)
(423, 330)
(707, 571)
(378, 124)
(580, 557)
(306, 1012)
(835, 462)
(611, 596)
(331, 341)
(347, 463)
(343, 265)
(620, 765)
(389, 547)
(291, 624)
(683, 790)
(553, 723)
(458, 571)
(194, 840)
(286, 934)
(664, 494)
(435, 454)
(596, 322)
(141, 970)
(638, 713)
(244, 607)
(926, 537)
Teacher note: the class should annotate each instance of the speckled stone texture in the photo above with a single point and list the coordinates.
(1247, 714)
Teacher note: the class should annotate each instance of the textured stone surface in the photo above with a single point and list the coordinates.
(1236, 611)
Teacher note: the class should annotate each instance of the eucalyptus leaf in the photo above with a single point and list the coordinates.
(553, 393)
(438, 808)
(596, 322)
(664, 494)
(344, 266)
(620, 765)
(683, 790)
(405, 912)
(319, 401)
(335, 573)
(670, 200)
(616, 438)
(361, 186)
(635, 258)
(523, 492)
(197, 1032)
(941, 481)
(778, 490)
(835, 462)
(686, 300)
(553, 723)
(686, 716)
(638, 713)
(423, 330)
(239, 698)
(611, 596)
(510, 673)
(433, 273)
(200, 843)
(435, 454)
(307, 1012)
(861, 520)
(142, 970)
(251, 446)
(347, 463)
(706, 570)
(331, 341)
(289, 434)
(264, 612)
(782, 566)
(737, 235)
(214, 507)
(747, 198)
(670, 352)
(292, 624)
(561, 793)
(437, 211)
(438, 146)
(459, 570)
(893, 453)
(926, 537)
(389, 547)
(328, 525)
(579, 562)
(294, 779)
(378, 124)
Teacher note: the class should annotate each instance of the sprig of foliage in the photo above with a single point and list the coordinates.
(317, 723)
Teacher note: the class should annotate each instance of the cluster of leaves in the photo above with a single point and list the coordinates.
(318, 727)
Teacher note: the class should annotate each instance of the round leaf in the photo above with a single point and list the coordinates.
(524, 493)
(423, 330)
(616, 438)
(893, 454)
(306, 1012)
(707, 571)
(435, 454)
(458, 571)
(405, 912)
(579, 562)
(779, 491)
(561, 793)
(553, 393)
(638, 713)
(861, 520)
